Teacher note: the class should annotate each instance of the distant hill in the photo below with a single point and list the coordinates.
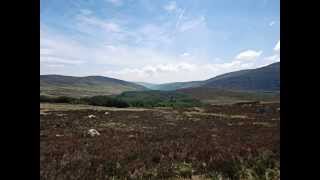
(177, 85)
(58, 85)
(266, 78)
(148, 85)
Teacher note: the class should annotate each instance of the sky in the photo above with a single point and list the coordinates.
(157, 41)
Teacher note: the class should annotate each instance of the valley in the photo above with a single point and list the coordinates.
(226, 127)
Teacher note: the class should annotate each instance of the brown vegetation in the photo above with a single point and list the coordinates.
(161, 143)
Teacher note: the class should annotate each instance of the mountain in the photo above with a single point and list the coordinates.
(177, 85)
(58, 85)
(266, 78)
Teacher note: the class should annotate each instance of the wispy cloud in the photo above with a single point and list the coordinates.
(88, 20)
(85, 11)
(58, 50)
(115, 2)
(192, 23)
(272, 23)
(171, 6)
(58, 61)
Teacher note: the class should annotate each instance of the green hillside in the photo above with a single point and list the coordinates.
(57, 85)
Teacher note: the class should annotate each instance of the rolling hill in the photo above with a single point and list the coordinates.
(266, 78)
(58, 85)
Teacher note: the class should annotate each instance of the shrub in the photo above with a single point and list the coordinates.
(183, 170)
(264, 167)
(44, 98)
(63, 99)
(107, 101)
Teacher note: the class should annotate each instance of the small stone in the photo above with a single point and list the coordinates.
(204, 164)
(131, 136)
(106, 113)
(93, 132)
(59, 135)
(91, 116)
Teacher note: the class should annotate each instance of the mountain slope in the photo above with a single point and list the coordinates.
(58, 85)
(225, 96)
(177, 85)
(266, 78)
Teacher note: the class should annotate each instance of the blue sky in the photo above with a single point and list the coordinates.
(157, 41)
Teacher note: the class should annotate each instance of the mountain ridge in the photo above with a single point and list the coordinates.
(266, 78)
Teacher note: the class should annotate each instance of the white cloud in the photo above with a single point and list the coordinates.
(171, 6)
(248, 55)
(55, 65)
(185, 54)
(177, 72)
(277, 47)
(273, 58)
